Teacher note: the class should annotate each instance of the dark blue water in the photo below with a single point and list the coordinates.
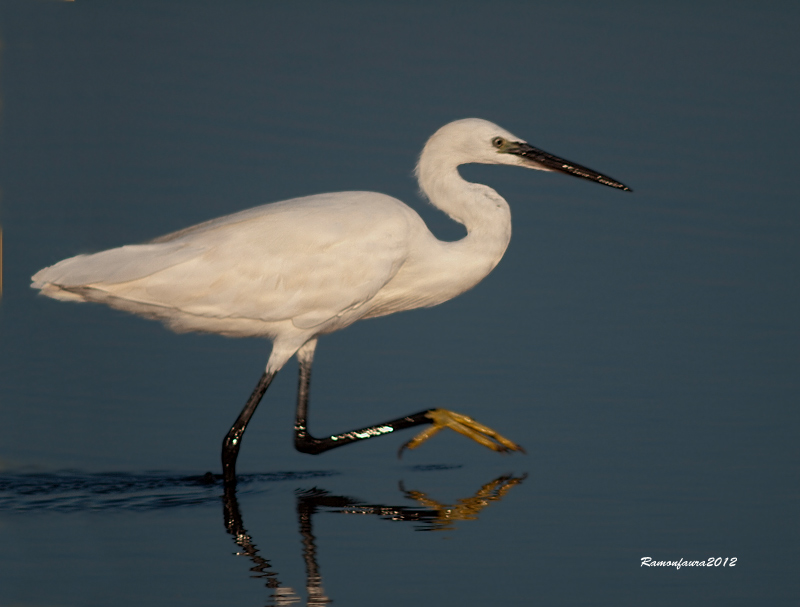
(642, 347)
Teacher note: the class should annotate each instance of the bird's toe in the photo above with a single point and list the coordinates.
(463, 424)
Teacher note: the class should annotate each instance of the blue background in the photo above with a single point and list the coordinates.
(642, 347)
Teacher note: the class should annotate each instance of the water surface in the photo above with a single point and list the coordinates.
(642, 347)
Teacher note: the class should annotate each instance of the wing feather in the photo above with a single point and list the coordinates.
(307, 260)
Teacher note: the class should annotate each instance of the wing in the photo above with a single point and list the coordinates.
(306, 260)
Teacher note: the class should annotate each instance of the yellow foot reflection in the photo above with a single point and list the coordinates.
(466, 509)
(442, 418)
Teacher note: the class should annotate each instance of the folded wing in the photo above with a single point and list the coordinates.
(306, 260)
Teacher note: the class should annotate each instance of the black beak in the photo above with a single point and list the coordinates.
(554, 163)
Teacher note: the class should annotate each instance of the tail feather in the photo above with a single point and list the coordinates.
(110, 267)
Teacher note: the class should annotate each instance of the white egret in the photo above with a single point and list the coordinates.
(294, 270)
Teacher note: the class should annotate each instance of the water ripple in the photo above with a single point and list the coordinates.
(79, 491)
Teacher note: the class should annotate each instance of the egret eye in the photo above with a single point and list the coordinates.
(498, 142)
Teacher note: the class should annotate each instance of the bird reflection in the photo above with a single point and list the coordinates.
(429, 514)
(465, 509)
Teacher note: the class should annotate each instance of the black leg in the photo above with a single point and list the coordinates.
(233, 440)
(305, 443)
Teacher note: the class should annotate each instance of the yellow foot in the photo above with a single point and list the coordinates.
(442, 418)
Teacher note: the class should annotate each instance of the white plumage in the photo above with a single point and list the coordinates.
(294, 270)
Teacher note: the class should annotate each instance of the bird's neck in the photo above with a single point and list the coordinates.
(482, 211)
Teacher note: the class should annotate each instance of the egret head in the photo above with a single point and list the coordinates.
(473, 140)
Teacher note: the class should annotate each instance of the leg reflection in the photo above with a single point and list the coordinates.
(283, 595)
(431, 515)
